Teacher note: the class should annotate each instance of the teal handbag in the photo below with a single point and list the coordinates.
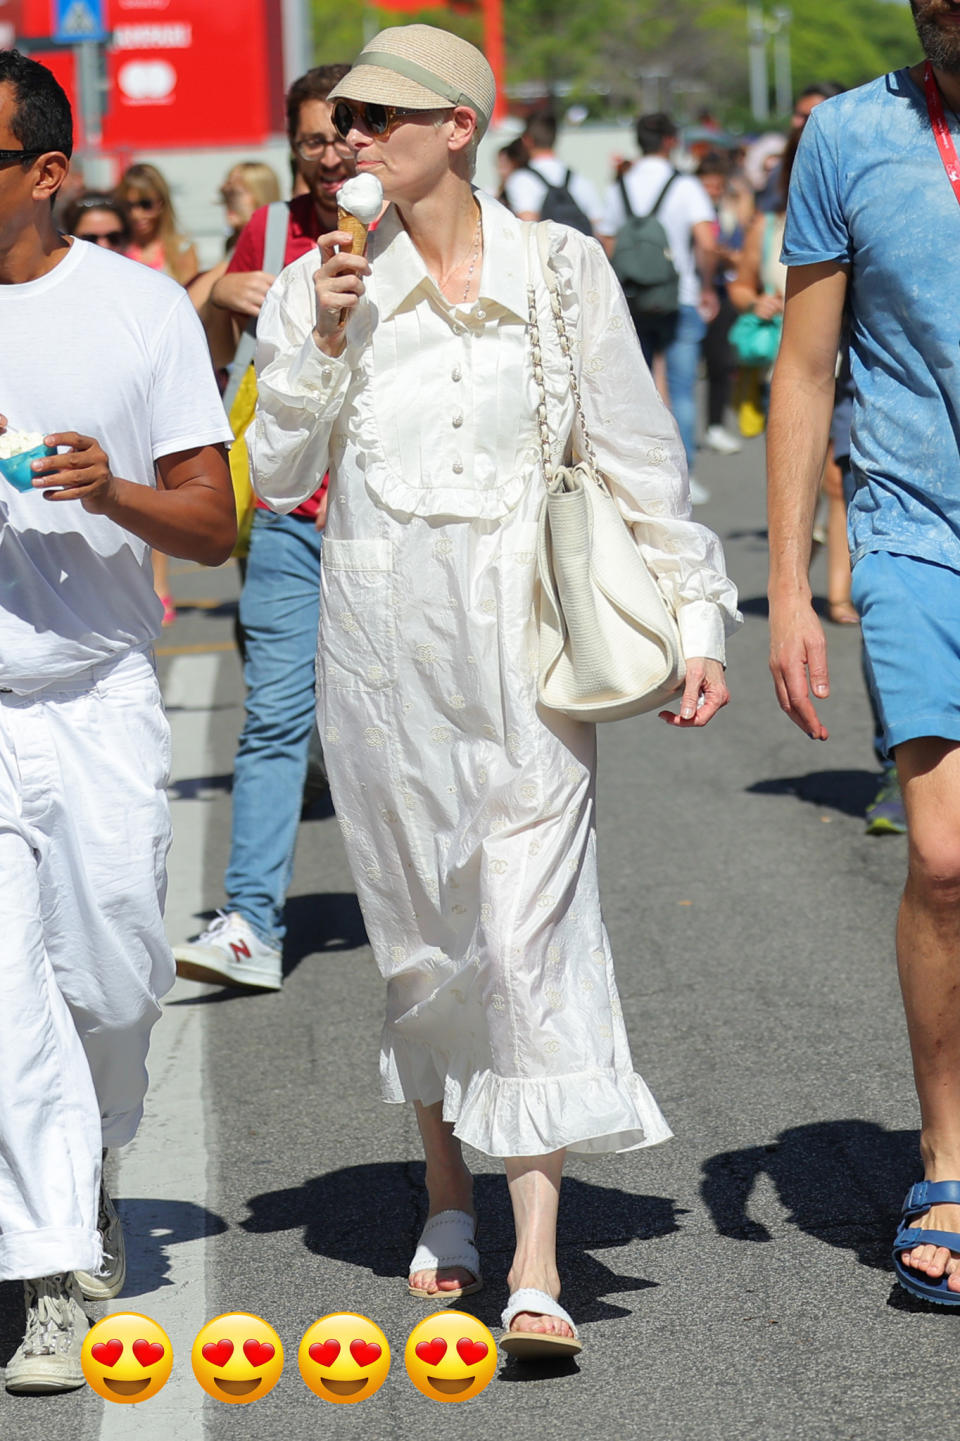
(756, 341)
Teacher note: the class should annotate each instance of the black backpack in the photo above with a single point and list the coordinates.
(643, 262)
(559, 205)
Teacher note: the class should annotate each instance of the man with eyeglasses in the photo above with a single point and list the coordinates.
(104, 363)
(280, 601)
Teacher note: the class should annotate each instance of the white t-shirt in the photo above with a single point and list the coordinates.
(525, 193)
(109, 348)
(685, 205)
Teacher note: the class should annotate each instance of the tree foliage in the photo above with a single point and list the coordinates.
(600, 52)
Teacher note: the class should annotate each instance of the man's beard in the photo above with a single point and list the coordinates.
(941, 48)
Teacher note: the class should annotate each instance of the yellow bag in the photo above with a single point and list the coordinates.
(748, 401)
(241, 418)
(240, 397)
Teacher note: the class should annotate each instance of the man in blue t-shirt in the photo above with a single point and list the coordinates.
(874, 221)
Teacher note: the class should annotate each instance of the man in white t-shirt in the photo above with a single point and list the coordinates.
(527, 188)
(687, 216)
(105, 362)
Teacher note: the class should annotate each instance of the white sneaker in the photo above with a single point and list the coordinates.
(48, 1358)
(229, 953)
(699, 495)
(108, 1282)
(720, 440)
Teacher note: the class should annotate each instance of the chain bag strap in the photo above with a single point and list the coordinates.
(608, 646)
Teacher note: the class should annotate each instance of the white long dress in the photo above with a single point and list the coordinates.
(468, 815)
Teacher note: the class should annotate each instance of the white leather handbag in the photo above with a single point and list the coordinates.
(608, 646)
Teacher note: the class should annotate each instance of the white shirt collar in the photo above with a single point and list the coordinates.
(401, 273)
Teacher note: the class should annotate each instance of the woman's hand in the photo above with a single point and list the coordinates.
(704, 692)
(338, 285)
(765, 307)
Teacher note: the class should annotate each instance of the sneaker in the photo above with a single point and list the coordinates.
(720, 440)
(229, 953)
(48, 1358)
(886, 815)
(108, 1282)
(699, 495)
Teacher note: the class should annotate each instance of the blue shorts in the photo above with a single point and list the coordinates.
(910, 618)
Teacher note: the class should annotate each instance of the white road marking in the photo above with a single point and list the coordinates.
(162, 1173)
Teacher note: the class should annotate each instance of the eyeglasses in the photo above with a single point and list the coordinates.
(21, 154)
(311, 147)
(114, 238)
(378, 119)
(148, 206)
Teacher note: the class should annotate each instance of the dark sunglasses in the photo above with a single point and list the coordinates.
(147, 205)
(114, 238)
(378, 119)
(21, 154)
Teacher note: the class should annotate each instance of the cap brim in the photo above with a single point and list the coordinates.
(375, 86)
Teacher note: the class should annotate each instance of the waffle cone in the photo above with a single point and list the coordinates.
(355, 228)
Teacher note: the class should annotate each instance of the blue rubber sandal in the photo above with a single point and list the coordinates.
(919, 1200)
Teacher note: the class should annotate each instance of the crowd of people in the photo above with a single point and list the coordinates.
(409, 536)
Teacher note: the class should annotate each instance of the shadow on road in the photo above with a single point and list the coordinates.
(847, 791)
(591, 1218)
(842, 1182)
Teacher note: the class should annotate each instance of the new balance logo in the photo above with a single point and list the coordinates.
(241, 950)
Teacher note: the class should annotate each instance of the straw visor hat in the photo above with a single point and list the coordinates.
(419, 67)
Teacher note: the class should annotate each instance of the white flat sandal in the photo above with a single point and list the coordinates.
(530, 1344)
(448, 1239)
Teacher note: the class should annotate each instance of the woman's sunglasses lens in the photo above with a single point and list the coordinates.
(375, 117)
(342, 119)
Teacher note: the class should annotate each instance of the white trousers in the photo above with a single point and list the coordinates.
(84, 834)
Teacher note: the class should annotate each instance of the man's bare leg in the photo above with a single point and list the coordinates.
(449, 1188)
(928, 953)
(534, 1183)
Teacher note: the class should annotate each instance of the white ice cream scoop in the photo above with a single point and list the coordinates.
(361, 196)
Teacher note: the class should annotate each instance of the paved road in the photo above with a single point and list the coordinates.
(732, 1283)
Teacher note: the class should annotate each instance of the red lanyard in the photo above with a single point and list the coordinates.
(938, 119)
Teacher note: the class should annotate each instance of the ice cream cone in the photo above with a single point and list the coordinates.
(355, 228)
(358, 242)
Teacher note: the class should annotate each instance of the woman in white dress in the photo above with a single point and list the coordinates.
(467, 811)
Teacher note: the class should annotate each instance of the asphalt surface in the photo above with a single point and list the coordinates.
(731, 1283)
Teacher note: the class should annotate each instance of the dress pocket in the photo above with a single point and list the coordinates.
(358, 621)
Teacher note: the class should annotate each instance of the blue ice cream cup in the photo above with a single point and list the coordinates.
(16, 468)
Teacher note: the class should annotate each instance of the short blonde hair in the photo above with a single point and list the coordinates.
(260, 179)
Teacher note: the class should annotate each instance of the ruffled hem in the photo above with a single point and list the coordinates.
(586, 1112)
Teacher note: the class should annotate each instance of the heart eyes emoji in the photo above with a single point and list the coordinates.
(126, 1358)
(344, 1358)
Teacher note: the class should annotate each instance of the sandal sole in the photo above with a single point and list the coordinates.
(470, 1290)
(530, 1345)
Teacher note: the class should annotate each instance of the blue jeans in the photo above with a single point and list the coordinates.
(279, 612)
(680, 343)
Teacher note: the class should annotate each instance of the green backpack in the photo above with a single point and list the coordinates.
(643, 262)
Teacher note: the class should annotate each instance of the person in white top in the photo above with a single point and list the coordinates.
(106, 362)
(687, 216)
(467, 812)
(527, 187)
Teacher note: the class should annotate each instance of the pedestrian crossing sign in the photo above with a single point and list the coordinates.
(77, 20)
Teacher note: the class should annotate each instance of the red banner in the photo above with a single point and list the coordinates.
(182, 72)
(10, 23)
